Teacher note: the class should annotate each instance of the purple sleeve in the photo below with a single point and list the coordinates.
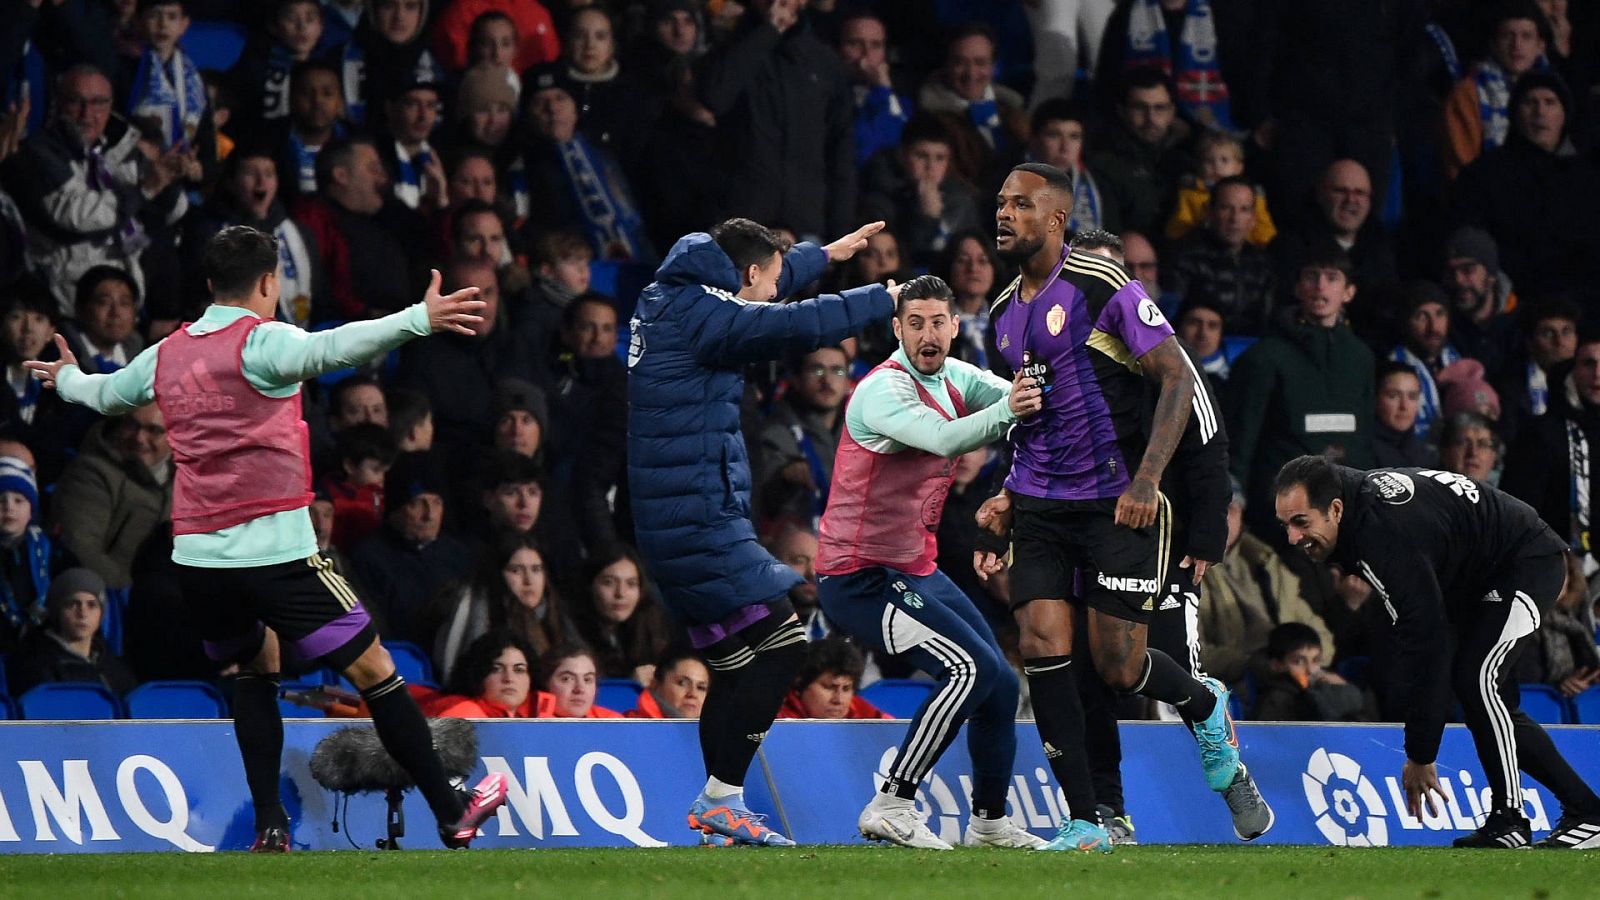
(1134, 318)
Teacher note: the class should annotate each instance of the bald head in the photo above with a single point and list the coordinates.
(1345, 195)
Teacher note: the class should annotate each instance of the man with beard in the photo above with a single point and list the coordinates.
(1082, 500)
(877, 579)
(1481, 299)
(1465, 573)
(1425, 347)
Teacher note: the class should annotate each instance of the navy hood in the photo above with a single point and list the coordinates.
(696, 259)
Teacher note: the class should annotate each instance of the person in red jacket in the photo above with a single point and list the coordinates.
(537, 41)
(677, 690)
(826, 685)
(492, 680)
(570, 680)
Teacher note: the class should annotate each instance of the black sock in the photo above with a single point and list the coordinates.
(899, 787)
(1058, 714)
(1168, 682)
(1102, 743)
(715, 711)
(739, 718)
(404, 733)
(258, 726)
(989, 796)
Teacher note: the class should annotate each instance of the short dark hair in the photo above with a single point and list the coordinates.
(1319, 475)
(1393, 367)
(1052, 176)
(88, 281)
(674, 654)
(831, 654)
(1556, 307)
(301, 69)
(1058, 109)
(367, 441)
(407, 410)
(338, 154)
(973, 29)
(1232, 181)
(558, 244)
(926, 127)
(1291, 636)
(31, 294)
(1096, 239)
(235, 259)
(1327, 255)
(145, 6)
(1143, 78)
(509, 467)
(747, 243)
(477, 661)
(473, 207)
(924, 287)
(556, 655)
(340, 390)
(569, 315)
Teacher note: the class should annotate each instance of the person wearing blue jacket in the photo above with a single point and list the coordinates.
(709, 313)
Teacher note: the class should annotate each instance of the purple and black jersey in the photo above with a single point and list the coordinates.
(1081, 337)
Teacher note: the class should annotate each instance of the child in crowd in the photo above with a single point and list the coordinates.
(166, 85)
(493, 43)
(366, 452)
(1220, 155)
(261, 76)
(1298, 688)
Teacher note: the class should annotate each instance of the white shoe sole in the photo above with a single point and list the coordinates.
(978, 839)
(875, 830)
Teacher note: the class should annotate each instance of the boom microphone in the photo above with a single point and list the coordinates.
(353, 761)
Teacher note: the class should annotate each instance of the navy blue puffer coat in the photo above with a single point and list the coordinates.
(688, 470)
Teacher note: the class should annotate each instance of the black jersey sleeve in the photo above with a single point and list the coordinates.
(1403, 580)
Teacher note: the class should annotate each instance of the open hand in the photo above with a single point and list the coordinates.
(1421, 783)
(457, 312)
(1199, 565)
(47, 371)
(852, 243)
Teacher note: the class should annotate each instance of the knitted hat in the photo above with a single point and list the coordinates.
(513, 394)
(1473, 243)
(1462, 388)
(1419, 292)
(483, 86)
(16, 475)
(69, 584)
(411, 476)
(546, 77)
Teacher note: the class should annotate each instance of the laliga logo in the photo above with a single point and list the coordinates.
(1349, 810)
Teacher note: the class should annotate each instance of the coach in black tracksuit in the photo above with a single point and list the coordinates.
(1465, 573)
(1197, 486)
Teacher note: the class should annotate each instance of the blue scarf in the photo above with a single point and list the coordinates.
(1085, 202)
(35, 551)
(294, 299)
(985, 115)
(609, 216)
(1538, 390)
(275, 89)
(1447, 49)
(1494, 98)
(177, 99)
(1202, 94)
(304, 160)
(1430, 409)
(408, 174)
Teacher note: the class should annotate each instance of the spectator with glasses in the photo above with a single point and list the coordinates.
(800, 438)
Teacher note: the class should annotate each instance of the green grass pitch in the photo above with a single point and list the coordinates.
(871, 873)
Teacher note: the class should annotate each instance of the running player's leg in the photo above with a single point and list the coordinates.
(753, 656)
(231, 633)
(1102, 741)
(315, 610)
(1041, 582)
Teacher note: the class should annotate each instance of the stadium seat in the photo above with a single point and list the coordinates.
(8, 710)
(68, 700)
(1586, 707)
(618, 694)
(176, 700)
(1544, 704)
(213, 44)
(412, 664)
(3, 689)
(899, 697)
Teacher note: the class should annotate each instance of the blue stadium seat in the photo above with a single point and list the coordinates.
(70, 700)
(618, 694)
(8, 710)
(213, 44)
(1586, 707)
(899, 697)
(176, 700)
(3, 689)
(412, 664)
(1544, 704)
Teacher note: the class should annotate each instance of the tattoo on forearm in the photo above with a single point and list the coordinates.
(1163, 364)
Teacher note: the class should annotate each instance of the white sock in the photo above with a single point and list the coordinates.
(881, 800)
(717, 790)
(979, 823)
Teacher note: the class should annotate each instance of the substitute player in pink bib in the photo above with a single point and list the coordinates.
(904, 426)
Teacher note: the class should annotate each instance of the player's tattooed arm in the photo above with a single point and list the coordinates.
(1165, 365)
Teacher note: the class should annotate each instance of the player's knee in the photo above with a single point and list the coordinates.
(372, 667)
(1118, 673)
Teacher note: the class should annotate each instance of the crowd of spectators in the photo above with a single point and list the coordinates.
(1373, 223)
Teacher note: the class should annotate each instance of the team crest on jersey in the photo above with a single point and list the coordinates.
(1055, 319)
(1394, 488)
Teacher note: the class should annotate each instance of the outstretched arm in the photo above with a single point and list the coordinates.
(276, 357)
(891, 408)
(126, 389)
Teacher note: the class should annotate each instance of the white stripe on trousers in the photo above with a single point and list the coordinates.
(939, 717)
(1505, 738)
